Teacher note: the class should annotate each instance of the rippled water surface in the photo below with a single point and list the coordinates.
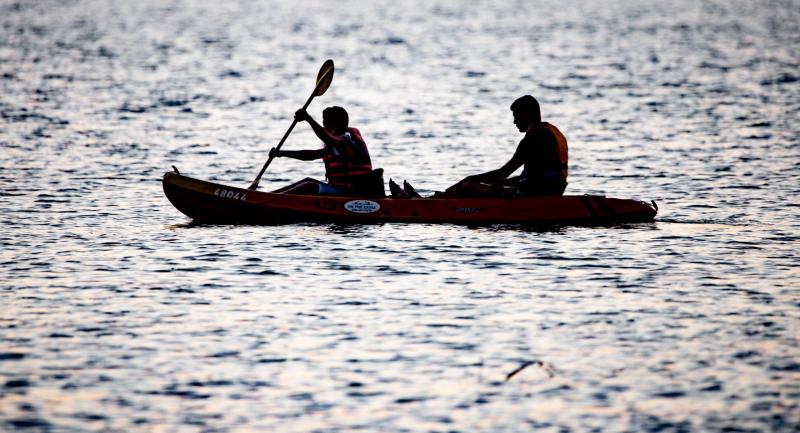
(119, 315)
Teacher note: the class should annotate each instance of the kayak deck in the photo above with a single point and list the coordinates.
(211, 202)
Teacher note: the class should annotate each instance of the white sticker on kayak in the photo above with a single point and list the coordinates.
(362, 206)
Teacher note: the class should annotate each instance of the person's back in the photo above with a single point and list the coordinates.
(544, 153)
(346, 159)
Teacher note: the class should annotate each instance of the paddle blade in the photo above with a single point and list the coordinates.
(324, 78)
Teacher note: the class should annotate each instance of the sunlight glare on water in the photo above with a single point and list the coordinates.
(119, 314)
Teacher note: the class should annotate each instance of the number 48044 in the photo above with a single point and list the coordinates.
(224, 193)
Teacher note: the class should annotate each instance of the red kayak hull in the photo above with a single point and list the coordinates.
(212, 202)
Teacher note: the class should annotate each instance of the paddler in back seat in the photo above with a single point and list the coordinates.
(348, 167)
(542, 152)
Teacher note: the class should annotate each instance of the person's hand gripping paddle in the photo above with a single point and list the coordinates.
(324, 78)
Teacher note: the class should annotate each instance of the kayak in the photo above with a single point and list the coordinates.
(216, 203)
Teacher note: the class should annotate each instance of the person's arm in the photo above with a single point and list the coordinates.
(302, 155)
(305, 155)
(329, 139)
(341, 144)
(499, 174)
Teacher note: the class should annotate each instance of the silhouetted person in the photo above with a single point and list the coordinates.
(344, 153)
(542, 152)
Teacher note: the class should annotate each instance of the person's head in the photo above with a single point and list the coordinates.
(526, 112)
(335, 119)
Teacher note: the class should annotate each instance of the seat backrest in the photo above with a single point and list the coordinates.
(371, 184)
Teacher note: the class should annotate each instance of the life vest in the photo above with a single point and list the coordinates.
(341, 168)
(561, 148)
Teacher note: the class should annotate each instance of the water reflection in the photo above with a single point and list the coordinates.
(120, 315)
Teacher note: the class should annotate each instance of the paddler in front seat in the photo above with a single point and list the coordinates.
(542, 152)
(348, 167)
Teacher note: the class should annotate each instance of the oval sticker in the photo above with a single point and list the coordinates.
(362, 206)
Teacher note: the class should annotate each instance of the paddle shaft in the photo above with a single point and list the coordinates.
(254, 185)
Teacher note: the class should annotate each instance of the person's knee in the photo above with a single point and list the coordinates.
(305, 188)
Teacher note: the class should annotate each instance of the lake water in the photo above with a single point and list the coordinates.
(119, 315)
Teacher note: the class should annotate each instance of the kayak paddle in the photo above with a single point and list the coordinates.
(324, 78)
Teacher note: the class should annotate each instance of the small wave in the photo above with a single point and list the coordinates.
(781, 79)
(105, 52)
(740, 187)
(443, 325)
(393, 40)
(354, 303)
(25, 423)
(669, 394)
(271, 360)
(90, 416)
(200, 383)
(23, 115)
(554, 87)
(226, 354)
(127, 108)
(11, 356)
(702, 221)
(180, 393)
(18, 383)
(170, 102)
(68, 78)
(230, 74)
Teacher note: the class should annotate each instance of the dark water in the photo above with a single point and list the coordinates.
(117, 315)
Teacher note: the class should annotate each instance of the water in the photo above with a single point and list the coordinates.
(119, 315)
